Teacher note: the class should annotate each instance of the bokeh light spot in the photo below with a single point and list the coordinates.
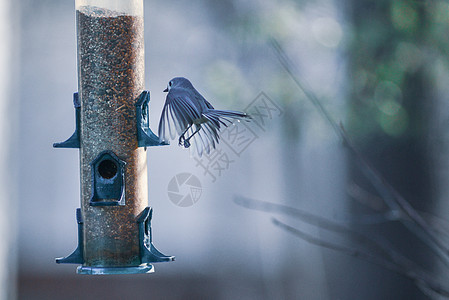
(394, 125)
(388, 97)
(327, 32)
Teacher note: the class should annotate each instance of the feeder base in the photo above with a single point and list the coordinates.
(145, 268)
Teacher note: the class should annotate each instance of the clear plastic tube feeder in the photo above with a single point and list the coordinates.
(112, 134)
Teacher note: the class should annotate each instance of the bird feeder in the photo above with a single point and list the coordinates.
(112, 133)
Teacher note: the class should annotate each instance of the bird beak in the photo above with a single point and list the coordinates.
(166, 90)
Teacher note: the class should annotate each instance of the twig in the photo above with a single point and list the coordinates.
(422, 280)
(381, 247)
(392, 198)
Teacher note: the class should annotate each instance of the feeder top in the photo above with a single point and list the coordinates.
(114, 7)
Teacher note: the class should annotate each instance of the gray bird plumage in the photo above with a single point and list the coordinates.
(186, 113)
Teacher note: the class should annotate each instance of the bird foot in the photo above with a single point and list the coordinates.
(181, 140)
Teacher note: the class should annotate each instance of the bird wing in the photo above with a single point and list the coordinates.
(208, 105)
(206, 139)
(178, 114)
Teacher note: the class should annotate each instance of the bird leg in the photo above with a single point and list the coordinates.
(182, 138)
(186, 140)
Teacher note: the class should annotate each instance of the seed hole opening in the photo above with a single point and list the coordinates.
(107, 169)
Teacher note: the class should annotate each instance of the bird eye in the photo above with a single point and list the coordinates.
(170, 83)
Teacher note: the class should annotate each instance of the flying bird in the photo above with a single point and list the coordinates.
(188, 115)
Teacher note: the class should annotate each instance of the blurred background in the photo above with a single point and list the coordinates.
(380, 68)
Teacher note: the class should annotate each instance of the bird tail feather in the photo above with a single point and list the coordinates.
(225, 117)
(206, 139)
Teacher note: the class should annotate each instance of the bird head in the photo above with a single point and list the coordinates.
(178, 82)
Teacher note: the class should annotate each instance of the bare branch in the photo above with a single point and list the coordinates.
(397, 204)
(382, 248)
(399, 264)
(374, 202)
